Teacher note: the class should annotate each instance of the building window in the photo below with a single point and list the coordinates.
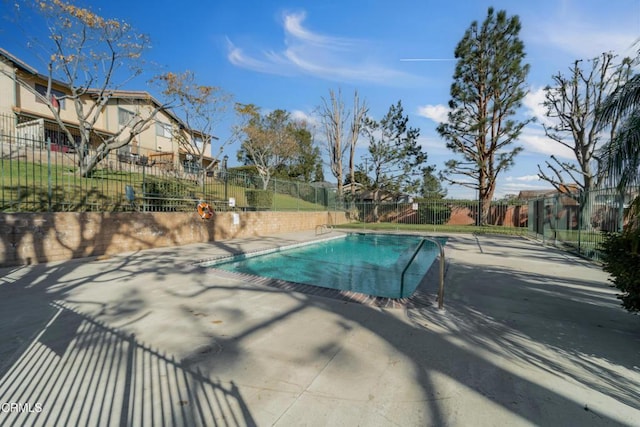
(163, 129)
(57, 97)
(125, 117)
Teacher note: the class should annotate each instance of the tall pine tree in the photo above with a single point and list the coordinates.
(488, 88)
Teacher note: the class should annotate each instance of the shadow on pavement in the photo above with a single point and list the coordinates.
(569, 328)
(90, 373)
(87, 373)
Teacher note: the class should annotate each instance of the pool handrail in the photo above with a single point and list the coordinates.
(324, 228)
(442, 264)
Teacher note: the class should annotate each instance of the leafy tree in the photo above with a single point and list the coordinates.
(571, 105)
(94, 56)
(621, 160)
(396, 157)
(431, 186)
(488, 88)
(622, 153)
(202, 108)
(270, 141)
(318, 175)
(360, 177)
(305, 163)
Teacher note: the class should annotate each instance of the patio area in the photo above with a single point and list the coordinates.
(529, 336)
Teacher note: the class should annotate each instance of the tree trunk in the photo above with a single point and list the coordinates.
(87, 162)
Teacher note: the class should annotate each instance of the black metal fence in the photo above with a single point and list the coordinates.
(40, 173)
(579, 222)
(436, 212)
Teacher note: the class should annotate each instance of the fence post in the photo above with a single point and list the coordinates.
(621, 212)
(581, 200)
(555, 220)
(49, 189)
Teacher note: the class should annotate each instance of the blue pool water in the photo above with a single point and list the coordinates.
(366, 263)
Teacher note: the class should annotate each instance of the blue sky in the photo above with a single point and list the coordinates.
(288, 54)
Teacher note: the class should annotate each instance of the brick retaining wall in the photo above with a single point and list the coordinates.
(30, 238)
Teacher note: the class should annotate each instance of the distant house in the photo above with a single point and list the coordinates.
(527, 195)
(27, 117)
(567, 189)
(558, 207)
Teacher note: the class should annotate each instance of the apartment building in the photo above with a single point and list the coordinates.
(166, 141)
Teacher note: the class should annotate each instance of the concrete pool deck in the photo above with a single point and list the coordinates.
(529, 336)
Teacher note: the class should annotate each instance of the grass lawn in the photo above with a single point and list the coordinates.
(35, 187)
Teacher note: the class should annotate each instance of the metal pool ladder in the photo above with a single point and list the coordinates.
(415, 253)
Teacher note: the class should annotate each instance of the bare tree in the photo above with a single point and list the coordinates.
(571, 104)
(360, 110)
(94, 57)
(333, 118)
(202, 108)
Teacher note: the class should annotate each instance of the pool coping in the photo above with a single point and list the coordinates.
(420, 298)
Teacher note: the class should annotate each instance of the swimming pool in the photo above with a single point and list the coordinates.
(372, 264)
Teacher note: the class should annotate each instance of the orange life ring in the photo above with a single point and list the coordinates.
(204, 210)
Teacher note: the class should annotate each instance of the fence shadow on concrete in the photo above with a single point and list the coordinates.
(584, 335)
(79, 371)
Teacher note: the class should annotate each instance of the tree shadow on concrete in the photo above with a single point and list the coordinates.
(502, 246)
(435, 353)
(430, 353)
(570, 328)
(470, 354)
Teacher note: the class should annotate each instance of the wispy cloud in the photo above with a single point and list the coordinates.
(573, 29)
(534, 140)
(585, 42)
(294, 30)
(534, 105)
(304, 52)
(433, 146)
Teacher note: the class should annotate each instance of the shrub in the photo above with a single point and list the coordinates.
(621, 257)
(259, 199)
(433, 211)
(166, 196)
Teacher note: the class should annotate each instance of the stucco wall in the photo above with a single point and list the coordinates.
(29, 238)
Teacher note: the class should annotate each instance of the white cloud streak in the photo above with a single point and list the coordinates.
(534, 140)
(293, 28)
(573, 30)
(305, 52)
